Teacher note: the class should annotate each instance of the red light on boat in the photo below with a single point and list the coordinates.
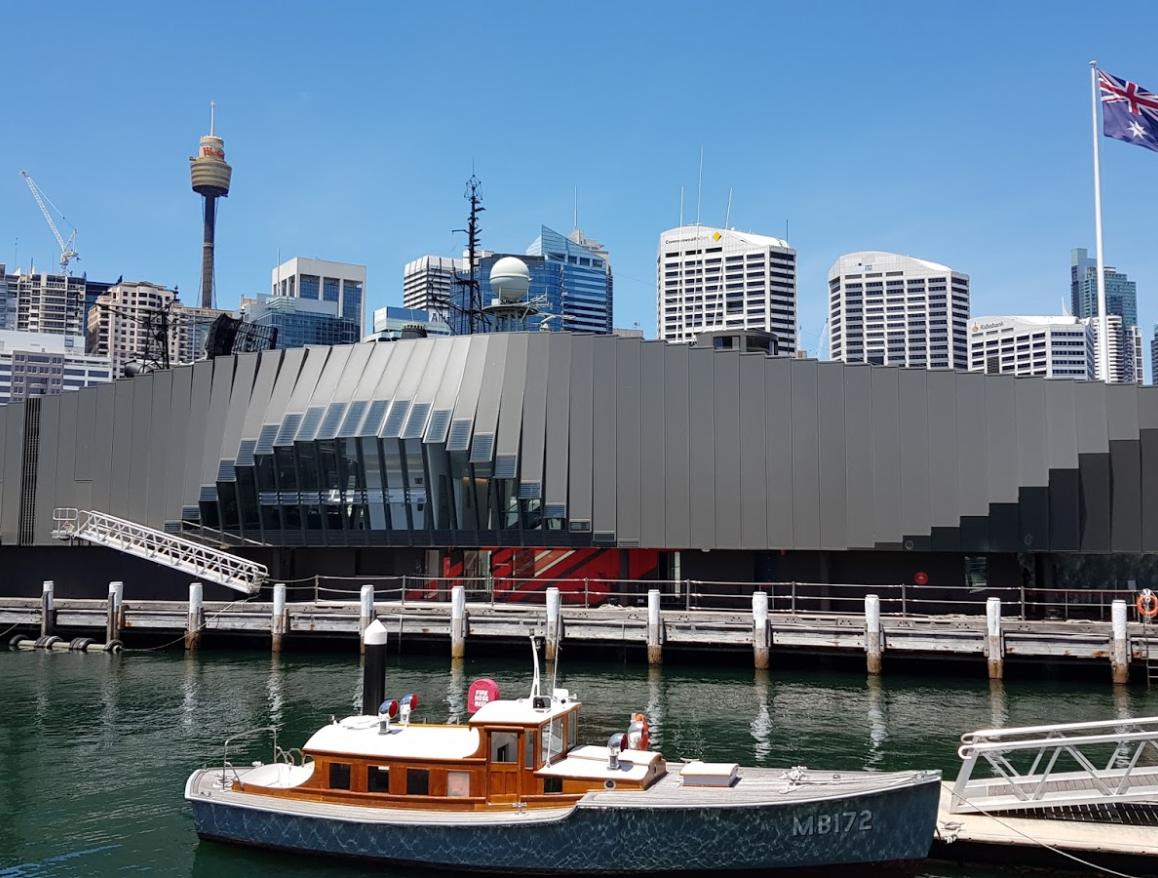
(389, 708)
(921, 577)
(481, 692)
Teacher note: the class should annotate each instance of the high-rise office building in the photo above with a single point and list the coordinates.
(1050, 347)
(884, 308)
(1121, 292)
(711, 279)
(301, 322)
(339, 285)
(124, 324)
(42, 364)
(428, 283)
(392, 323)
(1154, 356)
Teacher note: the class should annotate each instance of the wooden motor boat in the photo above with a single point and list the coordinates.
(512, 790)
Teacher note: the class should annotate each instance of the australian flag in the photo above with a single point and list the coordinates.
(1129, 112)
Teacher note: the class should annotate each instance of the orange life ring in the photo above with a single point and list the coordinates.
(1147, 605)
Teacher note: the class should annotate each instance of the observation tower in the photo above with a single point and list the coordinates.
(210, 176)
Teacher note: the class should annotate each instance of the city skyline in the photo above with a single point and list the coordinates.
(956, 171)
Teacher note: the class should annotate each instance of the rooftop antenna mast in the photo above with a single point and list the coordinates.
(473, 314)
(67, 247)
(728, 213)
(700, 185)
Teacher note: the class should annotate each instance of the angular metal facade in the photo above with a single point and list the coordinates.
(556, 439)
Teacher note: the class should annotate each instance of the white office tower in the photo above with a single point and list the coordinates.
(339, 286)
(44, 364)
(884, 308)
(1125, 350)
(428, 283)
(1049, 347)
(716, 279)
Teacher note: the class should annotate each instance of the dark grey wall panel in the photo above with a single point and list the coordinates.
(941, 393)
(677, 446)
(159, 449)
(534, 418)
(1001, 438)
(138, 472)
(121, 469)
(833, 496)
(753, 497)
(627, 444)
(200, 398)
(3, 464)
(701, 447)
(603, 469)
(511, 404)
(558, 421)
(104, 415)
(653, 447)
(215, 418)
(13, 456)
(46, 467)
(972, 459)
(860, 510)
(778, 451)
(1125, 468)
(1093, 465)
(582, 431)
(262, 391)
(181, 429)
(1148, 441)
(805, 454)
(64, 491)
(85, 461)
(487, 412)
(900, 419)
(239, 399)
(726, 427)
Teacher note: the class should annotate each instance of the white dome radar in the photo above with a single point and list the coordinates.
(510, 279)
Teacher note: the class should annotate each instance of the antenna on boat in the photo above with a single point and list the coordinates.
(535, 663)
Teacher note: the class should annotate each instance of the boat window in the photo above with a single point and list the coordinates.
(339, 775)
(572, 729)
(504, 746)
(553, 785)
(529, 749)
(552, 736)
(378, 779)
(417, 782)
(458, 783)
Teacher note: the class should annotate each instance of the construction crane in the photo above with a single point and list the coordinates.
(67, 248)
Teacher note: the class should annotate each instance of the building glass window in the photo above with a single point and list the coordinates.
(309, 286)
(330, 289)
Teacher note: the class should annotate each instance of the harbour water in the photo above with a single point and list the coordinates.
(94, 749)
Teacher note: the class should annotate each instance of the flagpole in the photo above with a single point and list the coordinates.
(1104, 323)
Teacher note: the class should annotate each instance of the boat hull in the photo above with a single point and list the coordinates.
(883, 826)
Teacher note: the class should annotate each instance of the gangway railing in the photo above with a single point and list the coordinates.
(1058, 766)
(200, 561)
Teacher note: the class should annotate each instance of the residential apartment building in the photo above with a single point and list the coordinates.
(1126, 363)
(188, 328)
(128, 323)
(428, 283)
(43, 364)
(710, 279)
(888, 309)
(1050, 347)
(341, 286)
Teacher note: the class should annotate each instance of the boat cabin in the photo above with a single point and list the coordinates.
(522, 752)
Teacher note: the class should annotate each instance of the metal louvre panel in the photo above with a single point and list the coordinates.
(397, 417)
(438, 427)
(226, 471)
(310, 423)
(334, 414)
(531, 491)
(458, 438)
(353, 419)
(506, 466)
(482, 448)
(375, 415)
(207, 494)
(416, 422)
(245, 452)
(288, 429)
(554, 510)
(264, 444)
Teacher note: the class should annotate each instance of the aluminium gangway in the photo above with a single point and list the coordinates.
(1065, 765)
(200, 561)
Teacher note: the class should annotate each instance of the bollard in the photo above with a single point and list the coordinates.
(196, 620)
(47, 608)
(994, 648)
(1120, 648)
(278, 625)
(365, 614)
(114, 612)
(872, 632)
(554, 614)
(373, 668)
(761, 639)
(654, 629)
(458, 622)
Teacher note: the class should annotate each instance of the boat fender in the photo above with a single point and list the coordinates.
(481, 693)
(409, 703)
(114, 646)
(47, 641)
(79, 644)
(15, 642)
(615, 745)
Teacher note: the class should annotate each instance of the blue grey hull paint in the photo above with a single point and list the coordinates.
(606, 840)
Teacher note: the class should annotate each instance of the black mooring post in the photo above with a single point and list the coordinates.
(373, 668)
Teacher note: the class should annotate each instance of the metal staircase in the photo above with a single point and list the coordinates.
(202, 562)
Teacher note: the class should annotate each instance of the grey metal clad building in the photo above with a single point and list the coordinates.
(574, 440)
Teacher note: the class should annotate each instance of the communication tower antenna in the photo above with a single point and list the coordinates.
(700, 186)
(728, 213)
(67, 247)
(472, 317)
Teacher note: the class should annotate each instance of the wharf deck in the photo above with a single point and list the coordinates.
(950, 636)
(1093, 836)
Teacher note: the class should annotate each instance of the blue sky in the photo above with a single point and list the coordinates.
(957, 132)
